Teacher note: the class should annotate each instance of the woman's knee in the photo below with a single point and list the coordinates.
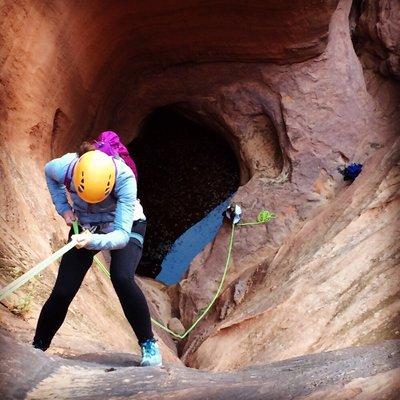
(121, 278)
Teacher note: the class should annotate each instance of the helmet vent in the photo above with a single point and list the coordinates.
(81, 188)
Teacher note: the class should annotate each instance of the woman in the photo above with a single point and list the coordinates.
(103, 193)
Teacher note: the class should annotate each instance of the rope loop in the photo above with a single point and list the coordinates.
(265, 216)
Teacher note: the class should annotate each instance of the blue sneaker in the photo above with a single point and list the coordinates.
(151, 355)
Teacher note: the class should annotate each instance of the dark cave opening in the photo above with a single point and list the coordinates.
(185, 171)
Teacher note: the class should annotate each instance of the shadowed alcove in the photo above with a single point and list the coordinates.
(185, 171)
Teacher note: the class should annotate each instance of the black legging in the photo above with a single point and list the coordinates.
(73, 268)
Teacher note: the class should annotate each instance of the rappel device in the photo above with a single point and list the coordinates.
(233, 213)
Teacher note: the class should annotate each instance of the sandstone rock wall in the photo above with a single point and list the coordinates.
(332, 113)
(366, 373)
(376, 32)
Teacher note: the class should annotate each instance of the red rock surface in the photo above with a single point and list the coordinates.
(331, 113)
(293, 102)
(358, 373)
(376, 25)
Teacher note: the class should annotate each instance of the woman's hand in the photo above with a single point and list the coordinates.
(82, 239)
(69, 216)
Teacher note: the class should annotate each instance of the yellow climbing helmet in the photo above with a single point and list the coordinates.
(94, 176)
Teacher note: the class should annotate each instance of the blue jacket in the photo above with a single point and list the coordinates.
(116, 212)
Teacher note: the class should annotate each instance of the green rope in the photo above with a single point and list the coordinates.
(75, 227)
(228, 259)
(103, 269)
(263, 217)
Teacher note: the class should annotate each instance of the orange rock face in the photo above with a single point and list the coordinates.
(281, 81)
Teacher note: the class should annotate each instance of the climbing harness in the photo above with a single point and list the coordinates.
(263, 217)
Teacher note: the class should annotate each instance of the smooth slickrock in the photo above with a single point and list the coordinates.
(366, 373)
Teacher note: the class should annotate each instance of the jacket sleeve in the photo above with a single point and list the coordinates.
(54, 172)
(125, 192)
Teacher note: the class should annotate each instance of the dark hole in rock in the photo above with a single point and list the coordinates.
(185, 171)
(354, 17)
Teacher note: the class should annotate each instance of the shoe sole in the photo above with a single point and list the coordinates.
(155, 365)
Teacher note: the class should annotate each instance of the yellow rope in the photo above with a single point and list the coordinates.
(35, 270)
